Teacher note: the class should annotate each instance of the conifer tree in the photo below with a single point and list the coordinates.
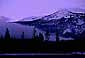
(7, 34)
(1, 37)
(14, 37)
(22, 36)
(34, 33)
(57, 36)
(47, 34)
(41, 36)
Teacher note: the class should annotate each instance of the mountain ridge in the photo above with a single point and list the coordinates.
(56, 15)
(74, 22)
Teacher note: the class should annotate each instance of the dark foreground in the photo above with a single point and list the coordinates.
(37, 46)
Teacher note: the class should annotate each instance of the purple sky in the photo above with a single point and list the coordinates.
(18, 9)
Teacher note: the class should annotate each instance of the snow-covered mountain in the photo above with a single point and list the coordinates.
(67, 20)
(62, 21)
(58, 14)
(64, 13)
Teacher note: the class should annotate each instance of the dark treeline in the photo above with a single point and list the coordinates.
(38, 44)
(40, 37)
(47, 34)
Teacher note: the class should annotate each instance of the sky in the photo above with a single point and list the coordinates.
(18, 9)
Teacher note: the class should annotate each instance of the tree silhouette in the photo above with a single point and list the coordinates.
(7, 35)
(14, 37)
(34, 33)
(41, 36)
(47, 34)
(22, 36)
(1, 37)
(57, 36)
(36, 37)
(82, 35)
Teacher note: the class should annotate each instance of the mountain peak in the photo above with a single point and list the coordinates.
(58, 14)
(63, 10)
